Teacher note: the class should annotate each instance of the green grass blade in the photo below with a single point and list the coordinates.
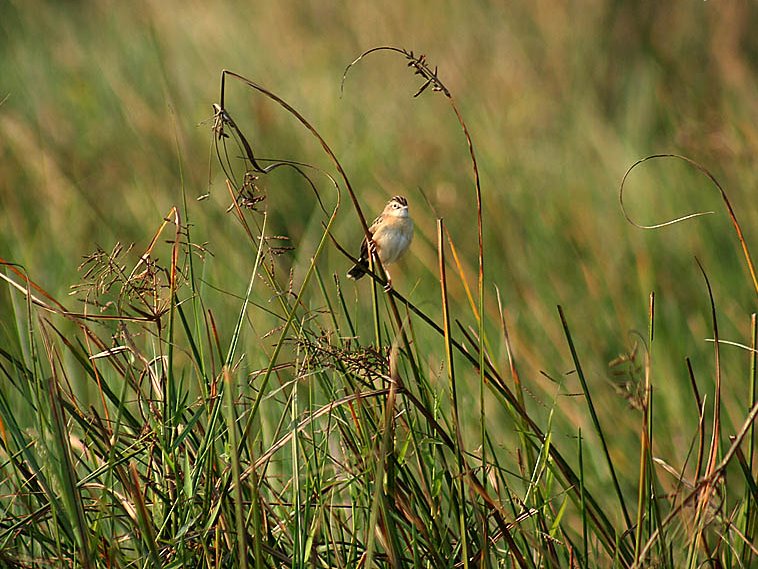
(595, 420)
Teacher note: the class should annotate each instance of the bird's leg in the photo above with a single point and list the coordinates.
(388, 286)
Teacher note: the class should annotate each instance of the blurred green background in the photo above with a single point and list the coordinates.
(106, 116)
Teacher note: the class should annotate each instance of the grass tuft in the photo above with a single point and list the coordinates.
(268, 415)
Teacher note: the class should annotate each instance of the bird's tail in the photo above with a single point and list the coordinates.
(358, 270)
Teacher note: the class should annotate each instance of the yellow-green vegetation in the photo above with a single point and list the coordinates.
(187, 378)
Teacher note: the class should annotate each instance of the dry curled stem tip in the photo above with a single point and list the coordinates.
(730, 210)
(418, 63)
(672, 221)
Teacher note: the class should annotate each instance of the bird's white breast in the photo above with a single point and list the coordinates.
(393, 239)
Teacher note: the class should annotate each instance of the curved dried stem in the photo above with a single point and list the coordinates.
(222, 119)
(703, 170)
(431, 78)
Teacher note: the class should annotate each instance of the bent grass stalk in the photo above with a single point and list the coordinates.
(186, 478)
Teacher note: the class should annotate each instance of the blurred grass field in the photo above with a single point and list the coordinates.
(106, 124)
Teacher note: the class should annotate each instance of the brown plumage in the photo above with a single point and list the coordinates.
(391, 235)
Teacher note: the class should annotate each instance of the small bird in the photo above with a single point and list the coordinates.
(391, 235)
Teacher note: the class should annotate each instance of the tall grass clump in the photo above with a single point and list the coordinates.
(281, 418)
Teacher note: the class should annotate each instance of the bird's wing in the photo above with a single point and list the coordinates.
(364, 243)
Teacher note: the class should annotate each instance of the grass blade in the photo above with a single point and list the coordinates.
(595, 421)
